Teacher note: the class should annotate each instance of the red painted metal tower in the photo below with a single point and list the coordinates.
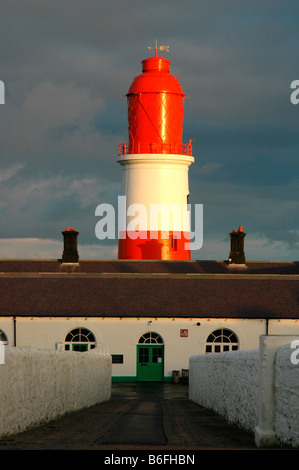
(155, 167)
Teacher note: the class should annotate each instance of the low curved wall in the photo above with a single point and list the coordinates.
(37, 385)
(258, 389)
(227, 383)
(287, 398)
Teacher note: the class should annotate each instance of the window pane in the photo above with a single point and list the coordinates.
(150, 338)
(80, 335)
(143, 355)
(3, 336)
(210, 338)
(157, 353)
(223, 337)
(117, 359)
(217, 332)
(87, 335)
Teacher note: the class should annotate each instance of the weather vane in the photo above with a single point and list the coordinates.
(161, 48)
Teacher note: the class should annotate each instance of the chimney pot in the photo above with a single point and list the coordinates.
(70, 251)
(237, 254)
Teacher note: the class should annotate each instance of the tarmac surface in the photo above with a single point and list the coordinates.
(139, 416)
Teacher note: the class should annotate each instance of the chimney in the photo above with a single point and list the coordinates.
(237, 255)
(70, 252)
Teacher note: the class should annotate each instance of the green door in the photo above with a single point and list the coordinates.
(150, 363)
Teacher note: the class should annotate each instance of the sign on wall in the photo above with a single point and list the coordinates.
(184, 333)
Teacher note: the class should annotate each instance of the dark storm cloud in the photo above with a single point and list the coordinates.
(65, 65)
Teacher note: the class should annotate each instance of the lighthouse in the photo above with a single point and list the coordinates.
(155, 165)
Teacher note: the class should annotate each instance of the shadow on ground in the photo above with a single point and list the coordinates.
(138, 416)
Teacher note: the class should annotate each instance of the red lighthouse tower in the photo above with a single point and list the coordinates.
(155, 166)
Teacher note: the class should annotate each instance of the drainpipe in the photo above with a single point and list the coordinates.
(267, 326)
(14, 331)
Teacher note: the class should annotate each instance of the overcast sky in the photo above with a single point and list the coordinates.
(65, 65)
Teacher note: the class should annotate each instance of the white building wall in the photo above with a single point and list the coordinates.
(284, 327)
(122, 335)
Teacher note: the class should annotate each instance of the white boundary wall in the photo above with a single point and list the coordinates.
(287, 397)
(228, 384)
(38, 385)
(258, 390)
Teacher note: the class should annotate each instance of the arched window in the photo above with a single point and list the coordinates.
(222, 340)
(3, 337)
(151, 337)
(79, 339)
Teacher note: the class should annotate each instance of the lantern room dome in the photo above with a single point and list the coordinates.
(155, 78)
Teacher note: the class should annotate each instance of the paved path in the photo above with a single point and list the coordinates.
(138, 416)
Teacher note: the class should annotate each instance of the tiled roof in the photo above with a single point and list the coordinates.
(145, 266)
(172, 289)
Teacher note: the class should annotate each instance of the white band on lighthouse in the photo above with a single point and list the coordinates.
(157, 182)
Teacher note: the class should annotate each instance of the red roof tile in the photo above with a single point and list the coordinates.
(215, 296)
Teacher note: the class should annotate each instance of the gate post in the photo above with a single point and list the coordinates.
(269, 346)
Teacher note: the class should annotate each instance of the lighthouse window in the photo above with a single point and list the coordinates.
(173, 243)
(222, 340)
